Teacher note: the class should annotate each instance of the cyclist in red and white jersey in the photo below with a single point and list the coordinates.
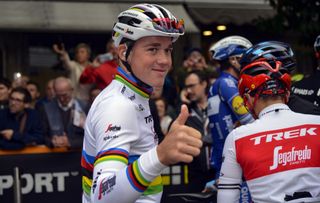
(121, 160)
(278, 154)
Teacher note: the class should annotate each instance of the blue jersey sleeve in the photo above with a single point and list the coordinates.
(229, 93)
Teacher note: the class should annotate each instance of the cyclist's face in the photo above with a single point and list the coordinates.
(150, 59)
(234, 61)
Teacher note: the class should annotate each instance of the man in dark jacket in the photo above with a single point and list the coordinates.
(19, 126)
(64, 117)
(199, 170)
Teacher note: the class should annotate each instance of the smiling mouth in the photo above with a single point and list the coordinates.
(159, 70)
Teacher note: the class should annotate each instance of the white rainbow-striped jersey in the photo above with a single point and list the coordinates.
(119, 158)
(279, 156)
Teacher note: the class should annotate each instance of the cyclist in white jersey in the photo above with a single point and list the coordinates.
(121, 160)
(279, 153)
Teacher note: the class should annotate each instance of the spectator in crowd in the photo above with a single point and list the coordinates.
(226, 109)
(278, 154)
(309, 87)
(19, 126)
(64, 117)
(199, 170)
(103, 69)
(120, 151)
(165, 119)
(49, 94)
(194, 60)
(20, 80)
(34, 90)
(94, 92)
(76, 67)
(5, 88)
(272, 51)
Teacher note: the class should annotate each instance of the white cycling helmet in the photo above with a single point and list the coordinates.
(143, 20)
(229, 46)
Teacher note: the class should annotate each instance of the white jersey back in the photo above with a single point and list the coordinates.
(278, 155)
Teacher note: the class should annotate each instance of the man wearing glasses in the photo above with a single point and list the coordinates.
(19, 126)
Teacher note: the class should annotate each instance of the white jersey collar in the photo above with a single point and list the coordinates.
(273, 108)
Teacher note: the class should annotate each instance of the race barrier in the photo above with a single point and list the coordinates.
(42, 174)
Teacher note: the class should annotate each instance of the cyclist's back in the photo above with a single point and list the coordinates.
(288, 154)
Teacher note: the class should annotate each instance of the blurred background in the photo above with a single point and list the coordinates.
(29, 28)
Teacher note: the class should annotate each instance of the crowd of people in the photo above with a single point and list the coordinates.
(235, 121)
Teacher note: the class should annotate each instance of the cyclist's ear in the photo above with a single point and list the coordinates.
(122, 52)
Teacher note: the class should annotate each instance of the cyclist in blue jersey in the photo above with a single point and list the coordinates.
(226, 109)
(121, 158)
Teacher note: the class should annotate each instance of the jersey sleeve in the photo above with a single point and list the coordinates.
(230, 179)
(229, 93)
(114, 179)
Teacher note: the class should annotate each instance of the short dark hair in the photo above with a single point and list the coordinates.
(203, 77)
(200, 73)
(6, 82)
(27, 96)
(35, 84)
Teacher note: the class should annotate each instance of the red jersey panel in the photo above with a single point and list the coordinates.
(296, 147)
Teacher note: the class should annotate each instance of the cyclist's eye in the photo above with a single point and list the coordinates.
(169, 50)
(153, 50)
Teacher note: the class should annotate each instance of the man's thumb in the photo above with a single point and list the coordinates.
(183, 116)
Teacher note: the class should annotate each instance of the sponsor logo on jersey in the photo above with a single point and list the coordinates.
(294, 156)
(229, 123)
(230, 83)
(303, 91)
(274, 151)
(123, 89)
(238, 105)
(112, 128)
(132, 97)
(94, 182)
(109, 137)
(106, 186)
(148, 119)
(140, 107)
(283, 135)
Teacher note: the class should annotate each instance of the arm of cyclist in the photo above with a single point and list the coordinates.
(235, 101)
(229, 184)
(114, 175)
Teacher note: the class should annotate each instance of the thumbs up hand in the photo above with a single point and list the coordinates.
(182, 143)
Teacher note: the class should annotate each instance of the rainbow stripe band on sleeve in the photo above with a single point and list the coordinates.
(137, 181)
(112, 154)
(87, 169)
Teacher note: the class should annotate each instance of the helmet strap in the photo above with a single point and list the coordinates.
(251, 105)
